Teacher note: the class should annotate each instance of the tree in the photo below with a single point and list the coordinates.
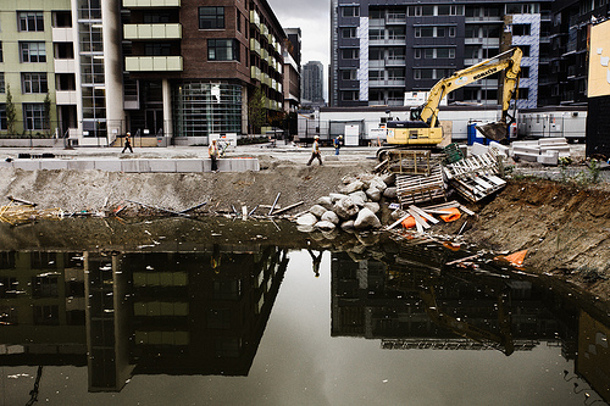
(11, 112)
(257, 110)
(47, 115)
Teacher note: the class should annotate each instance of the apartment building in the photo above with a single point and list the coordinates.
(37, 65)
(380, 49)
(292, 70)
(91, 70)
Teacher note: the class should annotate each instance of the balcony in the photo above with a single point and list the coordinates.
(66, 97)
(151, 3)
(255, 73)
(65, 65)
(255, 46)
(63, 34)
(398, 40)
(255, 19)
(396, 62)
(495, 42)
(387, 83)
(397, 18)
(136, 32)
(153, 63)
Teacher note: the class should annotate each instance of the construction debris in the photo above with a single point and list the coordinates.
(18, 214)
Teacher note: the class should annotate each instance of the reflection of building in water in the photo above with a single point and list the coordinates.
(419, 306)
(170, 313)
(593, 360)
(42, 308)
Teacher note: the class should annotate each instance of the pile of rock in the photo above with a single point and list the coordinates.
(355, 206)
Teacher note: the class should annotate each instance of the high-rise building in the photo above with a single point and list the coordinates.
(381, 49)
(292, 69)
(312, 85)
(159, 68)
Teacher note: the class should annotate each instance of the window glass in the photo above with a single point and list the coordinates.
(223, 50)
(30, 20)
(34, 83)
(211, 18)
(33, 52)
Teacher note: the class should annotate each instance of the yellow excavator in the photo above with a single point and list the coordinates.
(424, 129)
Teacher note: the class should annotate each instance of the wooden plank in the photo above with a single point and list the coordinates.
(418, 219)
(397, 222)
(285, 209)
(424, 214)
(466, 210)
(274, 203)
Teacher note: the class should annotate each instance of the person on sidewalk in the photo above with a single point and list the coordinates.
(213, 153)
(315, 151)
(127, 143)
(337, 144)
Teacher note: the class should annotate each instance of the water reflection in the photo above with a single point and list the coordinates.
(122, 313)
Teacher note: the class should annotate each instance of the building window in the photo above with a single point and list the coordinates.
(34, 83)
(1, 53)
(211, 18)
(524, 93)
(349, 96)
(45, 286)
(2, 84)
(238, 22)
(521, 29)
(429, 32)
(32, 52)
(375, 75)
(350, 74)
(452, 31)
(3, 122)
(33, 116)
(349, 32)
(223, 50)
(350, 53)
(351, 11)
(46, 315)
(157, 49)
(30, 20)
(417, 53)
(525, 72)
(525, 49)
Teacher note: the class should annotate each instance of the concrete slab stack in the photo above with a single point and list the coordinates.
(546, 151)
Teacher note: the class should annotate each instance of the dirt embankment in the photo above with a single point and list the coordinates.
(565, 229)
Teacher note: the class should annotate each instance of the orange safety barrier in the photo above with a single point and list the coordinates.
(455, 215)
(409, 222)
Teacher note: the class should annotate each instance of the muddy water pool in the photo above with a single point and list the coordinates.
(222, 313)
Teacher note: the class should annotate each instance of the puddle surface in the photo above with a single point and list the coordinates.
(191, 313)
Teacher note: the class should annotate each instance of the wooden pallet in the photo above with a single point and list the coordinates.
(412, 189)
(477, 164)
(414, 162)
(477, 187)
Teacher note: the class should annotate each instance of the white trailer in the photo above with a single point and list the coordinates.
(568, 122)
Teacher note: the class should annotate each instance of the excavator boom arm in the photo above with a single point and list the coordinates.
(508, 62)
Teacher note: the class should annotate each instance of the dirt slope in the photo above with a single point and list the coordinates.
(566, 230)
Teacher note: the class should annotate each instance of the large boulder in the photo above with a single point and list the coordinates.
(389, 178)
(378, 183)
(330, 216)
(346, 208)
(325, 225)
(326, 202)
(335, 197)
(359, 198)
(390, 193)
(366, 219)
(317, 210)
(307, 220)
(347, 225)
(352, 187)
(374, 194)
(372, 206)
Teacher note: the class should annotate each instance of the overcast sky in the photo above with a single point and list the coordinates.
(313, 18)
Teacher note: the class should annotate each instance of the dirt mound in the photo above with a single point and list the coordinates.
(566, 230)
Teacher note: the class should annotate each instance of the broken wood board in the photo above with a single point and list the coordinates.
(475, 188)
(414, 162)
(477, 164)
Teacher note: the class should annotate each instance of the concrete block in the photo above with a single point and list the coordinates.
(130, 166)
(143, 165)
(558, 148)
(207, 165)
(527, 149)
(525, 156)
(108, 165)
(499, 148)
(479, 149)
(548, 159)
(81, 165)
(27, 165)
(189, 165)
(225, 165)
(4, 164)
(53, 164)
(162, 165)
(552, 141)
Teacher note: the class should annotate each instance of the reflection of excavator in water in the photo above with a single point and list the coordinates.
(424, 130)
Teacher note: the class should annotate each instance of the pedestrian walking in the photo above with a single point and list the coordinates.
(213, 153)
(316, 261)
(315, 151)
(337, 144)
(127, 143)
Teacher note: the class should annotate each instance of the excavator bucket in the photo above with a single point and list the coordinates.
(494, 131)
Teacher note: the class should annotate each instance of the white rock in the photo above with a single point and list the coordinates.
(317, 210)
(307, 220)
(330, 216)
(335, 197)
(366, 219)
(390, 193)
(346, 208)
(359, 198)
(325, 225)
(372, 206)
(374, 194)
(326, 202)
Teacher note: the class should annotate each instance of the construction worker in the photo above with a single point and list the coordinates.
(315, 151)
(337, 144)
(213, 153)
(127, 143)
